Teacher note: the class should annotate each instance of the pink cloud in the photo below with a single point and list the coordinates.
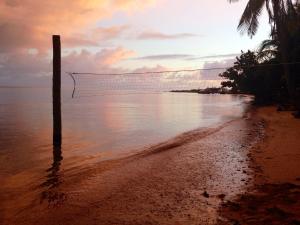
(79, 41)
(214, 74)
(108, 33)
(104, 60)
(154, 35)
(29, 23)
(26, 28)
(35, 68)
(110, 57)
(165, 57)
(150, 69)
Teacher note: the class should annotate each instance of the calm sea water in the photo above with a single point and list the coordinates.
(100, 127)
(34, 176)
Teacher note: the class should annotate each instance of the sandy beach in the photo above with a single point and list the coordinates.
(180, 181)
(153, 112)
(227, 175)
(274, 196)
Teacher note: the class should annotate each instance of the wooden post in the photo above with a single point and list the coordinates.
(56, 91)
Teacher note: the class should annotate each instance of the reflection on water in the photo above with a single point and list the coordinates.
(94, 129)
(54, 178)
(104, 126)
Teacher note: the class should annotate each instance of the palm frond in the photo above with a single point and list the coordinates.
(268, 44)
(267, 55)
(249, 20)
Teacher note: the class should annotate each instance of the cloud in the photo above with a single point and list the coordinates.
(154, 35)
(184, 57)
(26, 27)
(214, 74)
(110, 57)
(146, 69)
(17, 36)
(23, 68)
(30, 24)
(99, 36)
(164, 57)
(108, 33)
(85, 61)
(151, 80)
(79, 41)
(230, 55)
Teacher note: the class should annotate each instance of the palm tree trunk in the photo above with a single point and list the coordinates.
(284, 46)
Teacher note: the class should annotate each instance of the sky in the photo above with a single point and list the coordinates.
(115, 36)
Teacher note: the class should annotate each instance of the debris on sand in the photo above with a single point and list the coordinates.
(269, 203)
(205, 194)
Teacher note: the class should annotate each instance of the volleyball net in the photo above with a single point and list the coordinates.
(93, 84)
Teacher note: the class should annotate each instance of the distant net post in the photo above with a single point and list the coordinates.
(56, 91)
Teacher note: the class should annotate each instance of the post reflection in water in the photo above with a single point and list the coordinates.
(54, 179)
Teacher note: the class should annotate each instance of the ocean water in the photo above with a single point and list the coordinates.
(101, 127)
(97, 128)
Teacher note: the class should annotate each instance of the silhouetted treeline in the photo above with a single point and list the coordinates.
(211, 90)
(249, 76)
(272, 73)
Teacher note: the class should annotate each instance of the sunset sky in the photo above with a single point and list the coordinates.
(119, 36)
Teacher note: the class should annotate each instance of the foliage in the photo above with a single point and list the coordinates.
(268, 79)
(249, 76)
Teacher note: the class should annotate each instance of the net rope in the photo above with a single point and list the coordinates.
(89, 84)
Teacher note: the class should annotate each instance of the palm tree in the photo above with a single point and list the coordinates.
(277, 10)
(268, 50)
(280, 13)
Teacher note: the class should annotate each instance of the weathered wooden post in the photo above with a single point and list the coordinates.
(56, 91)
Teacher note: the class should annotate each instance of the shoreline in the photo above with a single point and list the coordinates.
(180, 181)
(274, 196)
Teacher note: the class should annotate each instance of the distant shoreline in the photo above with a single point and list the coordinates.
(23, 87)
(214, 90)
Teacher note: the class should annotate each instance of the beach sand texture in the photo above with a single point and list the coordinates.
(181, 181)
(274, 197)
(245, 171)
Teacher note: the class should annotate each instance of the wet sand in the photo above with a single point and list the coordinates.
(181, 181)
(274, 197)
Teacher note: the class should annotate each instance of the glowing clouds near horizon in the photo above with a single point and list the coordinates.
(92, 85)
(101, 36)
(28, 24)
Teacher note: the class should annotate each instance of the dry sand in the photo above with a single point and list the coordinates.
(274, 198)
